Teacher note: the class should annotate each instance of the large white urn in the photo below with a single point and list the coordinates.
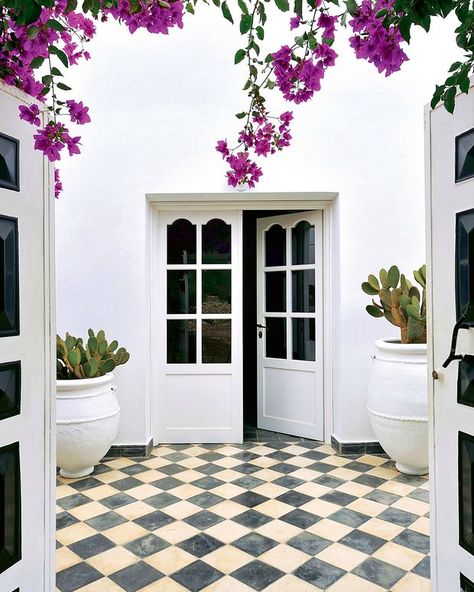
(87, 422)
(398, 403)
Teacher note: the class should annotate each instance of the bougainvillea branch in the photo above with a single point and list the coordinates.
(41, 39)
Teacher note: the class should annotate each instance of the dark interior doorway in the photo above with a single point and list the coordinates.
(249, 316)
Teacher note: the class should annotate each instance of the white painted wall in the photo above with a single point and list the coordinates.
(159, 104)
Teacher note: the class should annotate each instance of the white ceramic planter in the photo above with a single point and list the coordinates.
(398, 403)
(87, 421)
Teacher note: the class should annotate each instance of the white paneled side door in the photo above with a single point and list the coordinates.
(290, 324)
(27, 472)
(450, 217)
(198, 329)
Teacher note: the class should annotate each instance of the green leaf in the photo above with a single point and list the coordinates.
(190, 7)
(393, 276)
(37, 62)
(243, 6)
(374, 282)
(55, 71)
(436, 96)
(63, 86)
(298, 8)
(374, 311)
(245, 23)
(283, 5)
(32, 32)
(241, 115)
(381, 13)
(454, 66)
(71, 5)
(239, 56)
(449, 99)
(405, 26)
(56, 25)
(226, 12)
(107, 366)
(61, 55)
(352, 7)
(260, 32)
(368, 289)
(74, 357)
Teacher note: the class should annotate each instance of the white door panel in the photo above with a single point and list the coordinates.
(290, 328)
(198, 326)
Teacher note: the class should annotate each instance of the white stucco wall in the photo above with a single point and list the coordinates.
(158, 106)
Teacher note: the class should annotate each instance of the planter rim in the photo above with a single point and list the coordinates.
(75, 384)
(394, 345)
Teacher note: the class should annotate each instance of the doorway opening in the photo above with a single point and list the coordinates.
(252, 325)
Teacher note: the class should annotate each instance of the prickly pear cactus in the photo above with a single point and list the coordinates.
(400, 302)
(95, 358)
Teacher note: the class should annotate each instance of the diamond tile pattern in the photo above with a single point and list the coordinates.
(278, 516)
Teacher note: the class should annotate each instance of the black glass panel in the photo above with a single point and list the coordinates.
(216, 242)
(181, 291)
(303, 339)
(9, 288)
(302, 243)
(466, 585)
(181, 242)
(465, 156)
(464, 263)
(275, 246)
(275, 342)
(181, 342)
(10, 506)
(216, 341)
(275, 291)
(9, 163)
(466, 381)
(10, 389)
(466, 497)
(302, 288)
(216, 291)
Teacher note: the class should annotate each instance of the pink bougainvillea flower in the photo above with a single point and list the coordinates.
(295, 22)
(222, 148)
(30, 114)
(79, 114)
(58, 186)
(243, 170)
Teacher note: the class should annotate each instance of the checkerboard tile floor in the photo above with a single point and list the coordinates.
(275, 516)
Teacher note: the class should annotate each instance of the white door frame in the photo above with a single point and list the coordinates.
(326, 202)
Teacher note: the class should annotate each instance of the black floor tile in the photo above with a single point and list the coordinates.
(362, 541)
(294, 498)
(319, 573)
(250, 499)
(338, 497)
(64, 519)
(167, 483)
(413, 540)
(161, 500)
(379, 572)
(91, 546)
(117, 501)
(77, 576)
(349, 517)
(154, 520)
(423, 568)
(136, 576)
(300, 518)
(197, 576)
(125, 483)
(251, 519)
(200, 545)
(309, 543)
(257, 575)
(206, 499)
(396, 516)
(85, 484)
(208, 482)
(147, 545)
(254, 543)
(203, 519)
(73, 501)
(106, 521)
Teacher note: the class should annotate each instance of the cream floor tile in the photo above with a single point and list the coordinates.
(149, 476)
(192, 463)
(184, 492)
(412, 583)
(274, 508)
(190, 475)
(383, 473)
(227, 584)
(228, 475)
(352, 583)
(367, 507)
(295, 449)
(343, 473)
(181, 509)
(120, 463)
(227, 559)
(265, 462)
(64, 491)
(228, 490)
(65, 558)
(325, 448)
(227, 531)
(301, 461)
(421, 525)
(313, 489)
(170, 560)
(270, 490)
(134, 510)
(412, 505)
(102, 585)
(176, 532)
(155, 462)
(74, 533)
(290, 583)
(305, 474)
(162, 450)
(87, 511)
(372, 459)
(126, 532)
(267, 475)
(399, 556)
(279, 531)
(101, 492)
(329, 529)
(337, 461)
(284, 557)
(142, 491)
(111, 476)
(396, 488)
(164, 585)
(342, 556)
(227, 509)
(195, 450)
(320, 507)
(353, 488)
(261, 449)
(381, 528)
(113, 560)
(228, 462)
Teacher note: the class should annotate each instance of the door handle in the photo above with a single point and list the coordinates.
(467, 315)
(259, 326)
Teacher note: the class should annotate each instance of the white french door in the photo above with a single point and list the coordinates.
(198, 286)
(450, 196)
(289, 324)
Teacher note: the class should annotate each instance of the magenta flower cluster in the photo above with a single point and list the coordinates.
(299, 80)
(373, 42)
(156, 17)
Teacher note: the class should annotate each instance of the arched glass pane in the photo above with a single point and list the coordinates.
(275, 246)
(181, 242)
(216, 242)
(302, 243)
